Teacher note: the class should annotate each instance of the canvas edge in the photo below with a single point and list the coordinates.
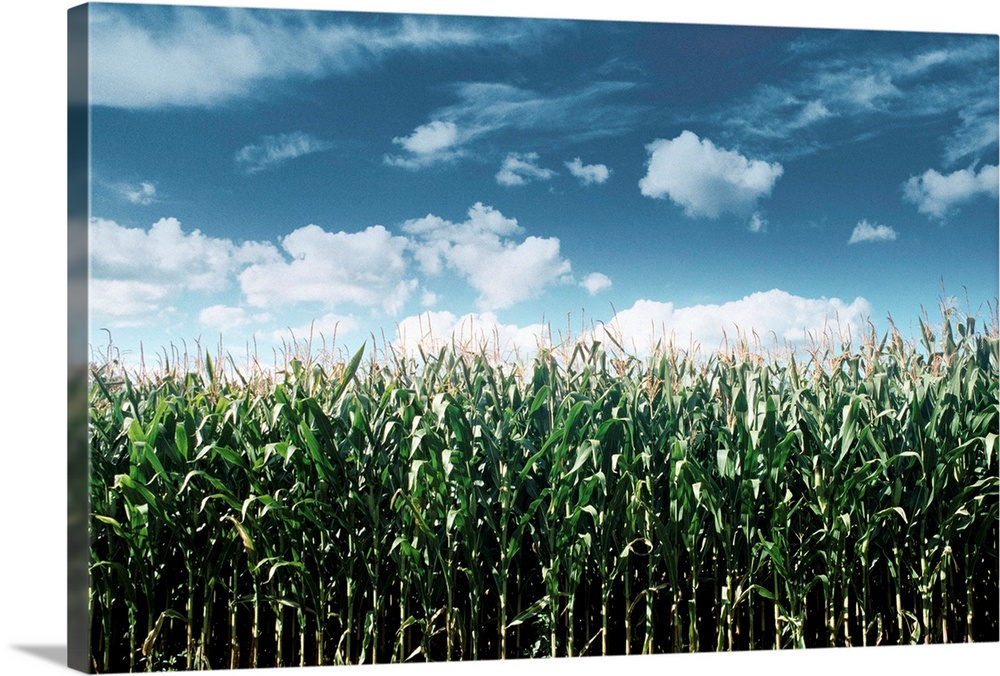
(78, 465)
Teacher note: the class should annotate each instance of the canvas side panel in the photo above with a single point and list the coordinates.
(78, 189)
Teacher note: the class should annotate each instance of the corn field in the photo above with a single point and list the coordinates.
(451, 507)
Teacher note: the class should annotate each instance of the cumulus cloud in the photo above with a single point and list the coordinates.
(757, 223)
(867, 232)
(705, 180)
(365, 268)
(939, 195)
(596, 282)
(481, 250)
(588, 173)
(328, 327)
(433, 331)
(273, 151)
(154, 56)
(128, 302)
(769, 314)
(166, 254)
(521, 169)
(223, 317)
(428, 144)
(139, 274)
(136, 273)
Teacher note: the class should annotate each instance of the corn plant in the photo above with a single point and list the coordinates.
(456, 507)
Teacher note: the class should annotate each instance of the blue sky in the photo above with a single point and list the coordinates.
(256, 173)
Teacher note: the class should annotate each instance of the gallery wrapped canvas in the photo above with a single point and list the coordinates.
(425, 338)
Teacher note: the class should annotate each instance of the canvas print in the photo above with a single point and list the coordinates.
(419, 338)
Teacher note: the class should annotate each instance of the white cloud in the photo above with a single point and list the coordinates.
(866, 232)
(590, 112)
(864, 91)
(365, 268)
(428, 298)
(842, 79)
(144, 194)
(428, 144)
(223, 317)
(596, 282)
(485, 108)
(327, 327)
(127, 302)
(136, 273)
(770, 314)
(142, 276)
(501, 270)
(979, 130)
(433, 331)
(707, 181)
(273, 151)
(939, 195)
(521, 169)
(810, 113)
(757, 223)
(166, 254)
(588, 173)
(430, 138)
(197, 57)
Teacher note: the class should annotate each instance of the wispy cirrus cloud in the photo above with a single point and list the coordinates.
(833, 83)
(757, 224)
(586, 112)
(977, 130)
(145, 57)
(273, 151)
(521, 169)
(484, 109)
(143, 194)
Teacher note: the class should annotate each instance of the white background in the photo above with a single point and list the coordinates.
(32, 358)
